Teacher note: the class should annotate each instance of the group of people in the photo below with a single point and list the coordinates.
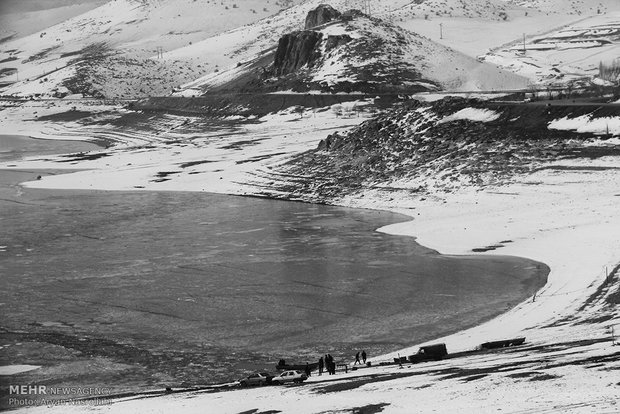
(357, 358)
(328, 364)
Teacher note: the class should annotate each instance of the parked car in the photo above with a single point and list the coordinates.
(289, 376)
(260, 378)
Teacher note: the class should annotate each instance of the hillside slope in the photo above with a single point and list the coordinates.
(138, 48)
(107, 47)
(17, 22)
(569, 54)
(569, 6)
(485, 9)
(443, 146)
(357, 53)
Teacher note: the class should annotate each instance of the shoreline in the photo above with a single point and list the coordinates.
(468, 320)
(570, 282)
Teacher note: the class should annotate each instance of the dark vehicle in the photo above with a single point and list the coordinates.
(503, 343)
(289, 376)
(283, 366)
(434, 352)
(261, 378)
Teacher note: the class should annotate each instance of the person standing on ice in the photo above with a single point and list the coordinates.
(321, 365)
(364, 357)
(357, 358)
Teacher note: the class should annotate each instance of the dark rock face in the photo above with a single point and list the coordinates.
(352, 14)
(296, 50)
(334, 41)
(321, 15)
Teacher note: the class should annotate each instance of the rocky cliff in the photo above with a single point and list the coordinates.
(296, 50)
(324, 13)
(301, 48)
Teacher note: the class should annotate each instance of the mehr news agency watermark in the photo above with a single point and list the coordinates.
(43, 395)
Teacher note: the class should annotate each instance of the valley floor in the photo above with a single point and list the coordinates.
(564, 214)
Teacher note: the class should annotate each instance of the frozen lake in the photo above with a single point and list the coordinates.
(149, 289)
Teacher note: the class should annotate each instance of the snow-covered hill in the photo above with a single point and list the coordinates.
(569, 6)
(358, 53)
(137, 48)
(486, 9)
(135, 33)
(16, 23)
(569, 54)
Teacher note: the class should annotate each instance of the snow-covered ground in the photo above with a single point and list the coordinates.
(222, 160)
(564, 215)
(17, 369)
(22, 23)
(185, 42)
(126, 37)
(475, 37)
(566, 53)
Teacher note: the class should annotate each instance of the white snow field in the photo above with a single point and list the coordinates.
(569, 53)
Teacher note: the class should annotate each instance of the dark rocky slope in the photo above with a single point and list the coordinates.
(296, 50)
(409, 143)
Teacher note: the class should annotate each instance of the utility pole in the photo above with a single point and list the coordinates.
(367, 7)
(441, 30)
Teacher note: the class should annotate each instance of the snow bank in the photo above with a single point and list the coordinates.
(17, 369)
(472, 114)
(587, 124)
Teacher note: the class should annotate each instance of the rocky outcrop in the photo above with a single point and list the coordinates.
(334, 41)
(324, 13)
(352, 14)
(296, 50)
